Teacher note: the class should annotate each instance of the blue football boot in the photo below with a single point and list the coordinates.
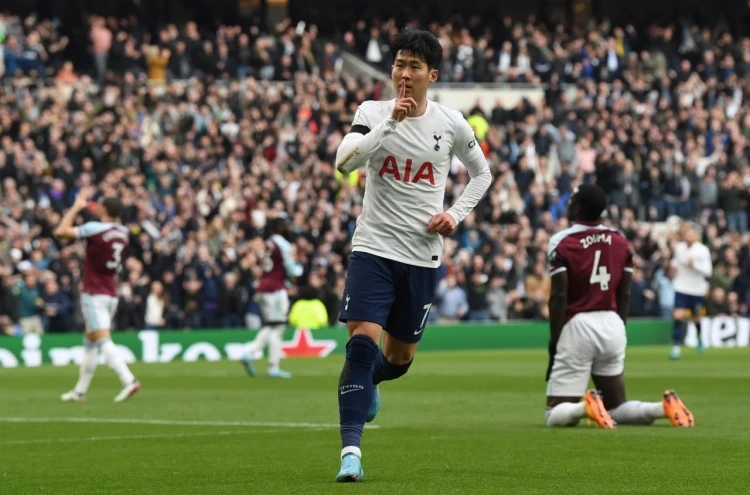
(351, 469)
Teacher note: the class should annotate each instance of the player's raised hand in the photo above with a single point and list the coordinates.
(404, 106)
(442, 223)
(83, 197)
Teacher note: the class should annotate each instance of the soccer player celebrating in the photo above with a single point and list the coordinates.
(105, 241)
(406, 145)
(592, 269)
(278, 263)
(692, 263)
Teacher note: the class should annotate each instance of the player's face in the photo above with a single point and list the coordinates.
(415, 72)
(691, 235)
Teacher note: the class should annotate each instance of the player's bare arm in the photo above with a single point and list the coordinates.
(66, 229)
(558, 305)
(623, 295)
(361, 142)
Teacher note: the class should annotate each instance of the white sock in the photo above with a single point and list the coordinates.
(115, 361)
(635, 412)
(274, 347)
(259, 342)
(88, 367)
(566, 414)
(351, 450)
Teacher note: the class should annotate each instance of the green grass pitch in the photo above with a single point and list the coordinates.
(458, 423)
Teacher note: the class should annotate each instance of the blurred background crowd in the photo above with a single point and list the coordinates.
(206, 134)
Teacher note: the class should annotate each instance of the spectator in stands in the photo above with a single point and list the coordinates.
(661, 285)
(157, 303)
(231, 303)
(30, 303)
(450, 304)
(57, 308)
(101, 42)
(130, 309)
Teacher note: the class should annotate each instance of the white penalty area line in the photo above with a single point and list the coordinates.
(172, 422)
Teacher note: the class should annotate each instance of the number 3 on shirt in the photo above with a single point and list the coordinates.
(117, 248)
(600, 275)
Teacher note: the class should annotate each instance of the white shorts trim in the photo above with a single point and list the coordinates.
(98, 311)
(590, 344)
(274, 306)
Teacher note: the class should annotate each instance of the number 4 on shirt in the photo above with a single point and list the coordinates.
(600, 275)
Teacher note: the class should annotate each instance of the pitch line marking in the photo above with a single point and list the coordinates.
(134, 437)
(173, 422)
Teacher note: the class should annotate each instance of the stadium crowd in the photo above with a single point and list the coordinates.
(205, 137)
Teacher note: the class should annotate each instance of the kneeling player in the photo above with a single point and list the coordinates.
(591, 269)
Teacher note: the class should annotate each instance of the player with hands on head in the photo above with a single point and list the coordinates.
(105, 241)
(406, 145)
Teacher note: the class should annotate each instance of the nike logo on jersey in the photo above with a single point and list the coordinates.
(417, 332)
(346, 308)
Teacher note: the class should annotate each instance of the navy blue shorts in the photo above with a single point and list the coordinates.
(692, 303)
(395, 295)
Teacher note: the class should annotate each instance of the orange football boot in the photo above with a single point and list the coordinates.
(596, 411)
(676, 411)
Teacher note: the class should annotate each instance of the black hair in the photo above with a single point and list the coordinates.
(277, 225)
(422, 44)
(113, 207)
(591, 201)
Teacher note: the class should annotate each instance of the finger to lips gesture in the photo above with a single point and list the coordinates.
(404, 106)
(442, 223)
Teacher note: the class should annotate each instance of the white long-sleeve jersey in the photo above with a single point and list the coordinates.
(407, 167)
(691, 280)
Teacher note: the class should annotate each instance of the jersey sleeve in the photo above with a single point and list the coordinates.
(88, 229)
(678, 259)
(629, 261)
(704, 264)
(466, 148)
(368, 132)
(557, 262)
(293, 269)
(556, 257)
(361, 124)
